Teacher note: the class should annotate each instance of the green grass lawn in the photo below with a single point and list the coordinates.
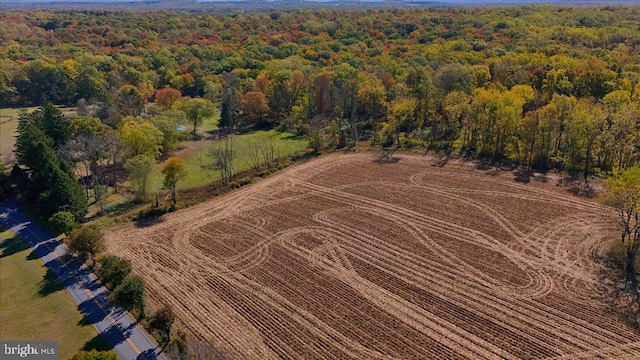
(33, 305)
(286, 143)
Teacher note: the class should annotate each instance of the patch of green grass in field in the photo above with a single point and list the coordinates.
(34, 306)
(286, 143)
(208, 124)
(7, 138)
(12, 113)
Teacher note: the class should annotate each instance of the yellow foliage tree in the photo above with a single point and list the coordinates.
(173, 172)
(623, 194)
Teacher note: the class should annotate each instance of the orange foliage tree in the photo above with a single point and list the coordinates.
(167, 97)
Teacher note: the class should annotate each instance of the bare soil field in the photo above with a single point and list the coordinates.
(344, 257)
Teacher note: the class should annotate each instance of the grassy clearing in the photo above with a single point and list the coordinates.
(210, 123)
(286, 143)
(33, 305)
(7, 138)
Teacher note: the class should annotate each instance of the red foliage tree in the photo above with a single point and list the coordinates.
(167, 97)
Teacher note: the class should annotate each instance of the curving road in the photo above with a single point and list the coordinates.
(128, 339)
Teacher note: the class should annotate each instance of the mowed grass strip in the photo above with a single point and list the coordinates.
(34, 306)
(191, 151)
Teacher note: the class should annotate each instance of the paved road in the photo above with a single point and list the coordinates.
(128, 339)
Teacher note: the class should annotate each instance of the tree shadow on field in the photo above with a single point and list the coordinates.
(98, 343)
(484, 165)
(149, 221)
(291, 137)
(386, 157)
(12, 246)
(577, 186)
(49, 284)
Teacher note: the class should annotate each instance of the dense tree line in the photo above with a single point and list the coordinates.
(49, 182)
(541, 86)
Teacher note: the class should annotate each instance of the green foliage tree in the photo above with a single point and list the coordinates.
(497, 115)
(163, 321)
(401, 119)
(91, 84)
(113, 270)
(47, 80)
(52, 185)
(62, 222)
(50, 121)
(456, 108)
(167, 123)
(196, 110)
(173, 172)
(582, 129)
(230, 103)
(57, 187)
(7, 89)
(139, 168)
(129, 101)
(130, 294)
(100, 192)
(86, 242)
(454, 77)
(27, 141)
(54, 124)
(372, 101)
(287, 90)
(87, 126)
(425, 94)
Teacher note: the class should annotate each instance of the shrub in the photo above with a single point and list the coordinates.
(245, 181)
(162, 321)
(130, 294)
(85, 242)
(113, 271)
(284, 164)
(95, 355)
(617, 255)
(62, 222)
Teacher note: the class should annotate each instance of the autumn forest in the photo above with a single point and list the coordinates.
(548, 87)
(121, 119)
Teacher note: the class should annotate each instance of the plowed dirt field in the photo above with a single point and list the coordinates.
(343, 257)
